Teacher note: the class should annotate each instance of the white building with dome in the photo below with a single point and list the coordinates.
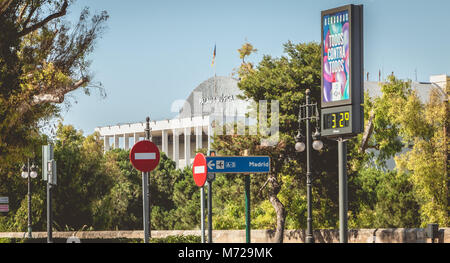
(179, 138)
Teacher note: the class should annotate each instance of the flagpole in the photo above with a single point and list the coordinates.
(215, 88)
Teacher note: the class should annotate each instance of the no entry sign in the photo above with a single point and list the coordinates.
(144, 156)
(199, 169)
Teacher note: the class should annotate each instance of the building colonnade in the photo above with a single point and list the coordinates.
(179, 139)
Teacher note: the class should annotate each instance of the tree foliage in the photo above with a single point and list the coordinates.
(42, 59)
(285, 80)
(427, 162)
(377, 197)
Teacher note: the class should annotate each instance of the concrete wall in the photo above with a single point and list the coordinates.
(385, 235)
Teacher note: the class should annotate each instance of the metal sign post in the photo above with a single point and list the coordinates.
(145, 192)
(247, 209)
(247, 206)
(49, 214)
(145, 201)
(49, 175)
(202, 212)
(145, 157)
(200, 175)
(343, 193)
(211, 177)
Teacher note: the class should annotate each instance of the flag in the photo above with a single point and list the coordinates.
(214, 55)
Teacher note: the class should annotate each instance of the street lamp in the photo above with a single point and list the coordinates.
(29, 172)
(305, 114)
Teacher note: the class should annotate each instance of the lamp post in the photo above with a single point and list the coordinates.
(305, 114)
(29, 172)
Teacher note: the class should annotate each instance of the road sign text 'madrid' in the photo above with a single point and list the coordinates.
(238, 164)
(259, 164)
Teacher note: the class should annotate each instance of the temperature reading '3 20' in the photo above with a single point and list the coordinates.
(337, 120)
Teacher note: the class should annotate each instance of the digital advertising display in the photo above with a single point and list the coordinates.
(342, 85)
(336, 57)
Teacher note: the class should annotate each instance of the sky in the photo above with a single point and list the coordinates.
(156, 52)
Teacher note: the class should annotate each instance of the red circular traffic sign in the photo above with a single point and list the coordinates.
(199, 169)
(144, 156)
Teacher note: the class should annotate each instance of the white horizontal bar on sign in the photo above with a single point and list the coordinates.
(145, 156)
(199, 169)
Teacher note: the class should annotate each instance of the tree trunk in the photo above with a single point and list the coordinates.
(367, 133)
(278, 206)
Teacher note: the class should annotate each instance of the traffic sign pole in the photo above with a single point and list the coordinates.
(144, 156)
(209, 211)
(210, 178)
(343, 192)
(247, 209)
(29, 201)
(247, 206)
(145, 206)
(202, 211)
(49, 174)
(199, 171)
(49, 213)
(145, 194)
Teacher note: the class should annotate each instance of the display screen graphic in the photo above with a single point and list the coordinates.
(336, 57)
(336, 120)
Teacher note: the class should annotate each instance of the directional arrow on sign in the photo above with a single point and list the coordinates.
(211, 165)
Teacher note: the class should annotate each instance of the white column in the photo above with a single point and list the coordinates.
(210, 134)
(106, 146)
(176, 148)
(198, 137)
(116, 141)
(136, 137)
(165, 142)
(126, 141)
(187, 146)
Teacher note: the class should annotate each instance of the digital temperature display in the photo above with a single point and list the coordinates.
(336, 120)
(341, 121)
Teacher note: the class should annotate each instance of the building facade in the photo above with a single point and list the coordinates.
(181, 137)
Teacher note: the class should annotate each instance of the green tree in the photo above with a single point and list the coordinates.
(42, 58)
(398, 119)
(285, 80)
(80, 176)
(121, 205)
(186, 198)
(385, 199)
(427, 162)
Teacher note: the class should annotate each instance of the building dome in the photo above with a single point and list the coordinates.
(213, 94)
